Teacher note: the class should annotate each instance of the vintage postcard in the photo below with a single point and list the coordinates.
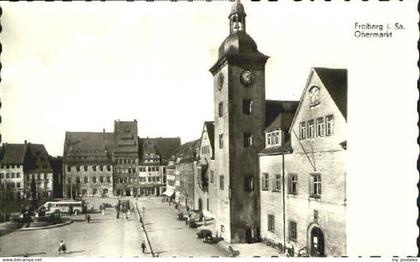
(209, 129)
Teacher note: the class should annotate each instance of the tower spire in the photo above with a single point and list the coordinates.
(237, 17)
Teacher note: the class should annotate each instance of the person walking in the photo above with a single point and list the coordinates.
(62, 247)
(143, 246)
(88, 218)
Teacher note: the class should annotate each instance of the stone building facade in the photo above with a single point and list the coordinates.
(25, 170)
(307, 211)
(239, 117)
(125, 158)
(87, 164)
(205, 170)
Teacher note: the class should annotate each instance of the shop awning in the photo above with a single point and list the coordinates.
(169, 192)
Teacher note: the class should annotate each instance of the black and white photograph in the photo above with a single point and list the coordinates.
(208, 129)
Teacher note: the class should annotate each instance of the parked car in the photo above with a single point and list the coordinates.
(106, 205)
(203, 233)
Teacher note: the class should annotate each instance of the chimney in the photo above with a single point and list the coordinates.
(26, 142)
(103, 130)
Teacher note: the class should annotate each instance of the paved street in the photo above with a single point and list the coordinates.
(108, 236)
(103, 236)
(169, 236)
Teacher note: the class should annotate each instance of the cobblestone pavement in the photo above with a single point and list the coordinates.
(103, 236)
(169, 236)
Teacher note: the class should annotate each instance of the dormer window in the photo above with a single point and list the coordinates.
(273, 138)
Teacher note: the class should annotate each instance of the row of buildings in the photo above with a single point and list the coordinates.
(264, 169)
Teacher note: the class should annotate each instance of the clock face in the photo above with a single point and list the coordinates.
(314, 95)
(247, 77)
(220, 81)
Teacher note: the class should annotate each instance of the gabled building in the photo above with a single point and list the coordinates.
(155, 154)
(185, 170)
(303, 174)
(204, 179)
(26, 171)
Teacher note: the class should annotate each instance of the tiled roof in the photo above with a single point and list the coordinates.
(163, 146)
(279, 114)
(186, 152)
(335, 81)
(38, 160)
(13, 153)
(88, 144)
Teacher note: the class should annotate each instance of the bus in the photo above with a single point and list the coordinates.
(75, 207)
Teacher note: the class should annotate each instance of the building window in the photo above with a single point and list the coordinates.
(247, 106)
(278, 183)
(211, 176)
(311, 129)
(292, 184)
(85, 180)
(315, 186)
(78, 168)
(248, 140)
(68, 168)
(302, 130)
(94, 179)
(18, 184)
(269, 139)
(221, 141)
(1, 175)
(7, 175)
(108, 168)
(101, 168)
(85, 168)
(108, 179)
(270, 223)
(248, 183)
(264, 182)
(330, 125)
(292, 231)
(164, 170)
(94, 168)
(220, 109)
(101, 179)
(222, 182)
(78, 180)
(320, 126)
(149, 179)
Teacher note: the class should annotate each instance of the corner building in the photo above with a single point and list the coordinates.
(239, 117)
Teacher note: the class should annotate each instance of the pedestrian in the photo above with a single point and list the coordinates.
(143, 246)
(88, 218)
(187, 221)
(103, 212)
(62, 247)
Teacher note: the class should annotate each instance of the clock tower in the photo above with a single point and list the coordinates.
(239, 117)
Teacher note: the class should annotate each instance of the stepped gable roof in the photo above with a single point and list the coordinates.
(279, 114)
(163, 146)
(13, 153)
(210, 131)
(38, 160)
(186, 152)
(335, 81)
(88, 144)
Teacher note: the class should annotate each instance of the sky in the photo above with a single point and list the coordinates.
(79, 66)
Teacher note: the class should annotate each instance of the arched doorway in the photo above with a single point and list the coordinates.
(317, 244)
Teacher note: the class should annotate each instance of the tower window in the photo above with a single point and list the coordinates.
(220, 109)
(222, 182)
(292, 183)
(264, 182)
(248, 140)
(221, 141)
(247, 106)
(248, 183)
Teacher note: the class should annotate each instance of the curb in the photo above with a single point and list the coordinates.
(45, 227)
